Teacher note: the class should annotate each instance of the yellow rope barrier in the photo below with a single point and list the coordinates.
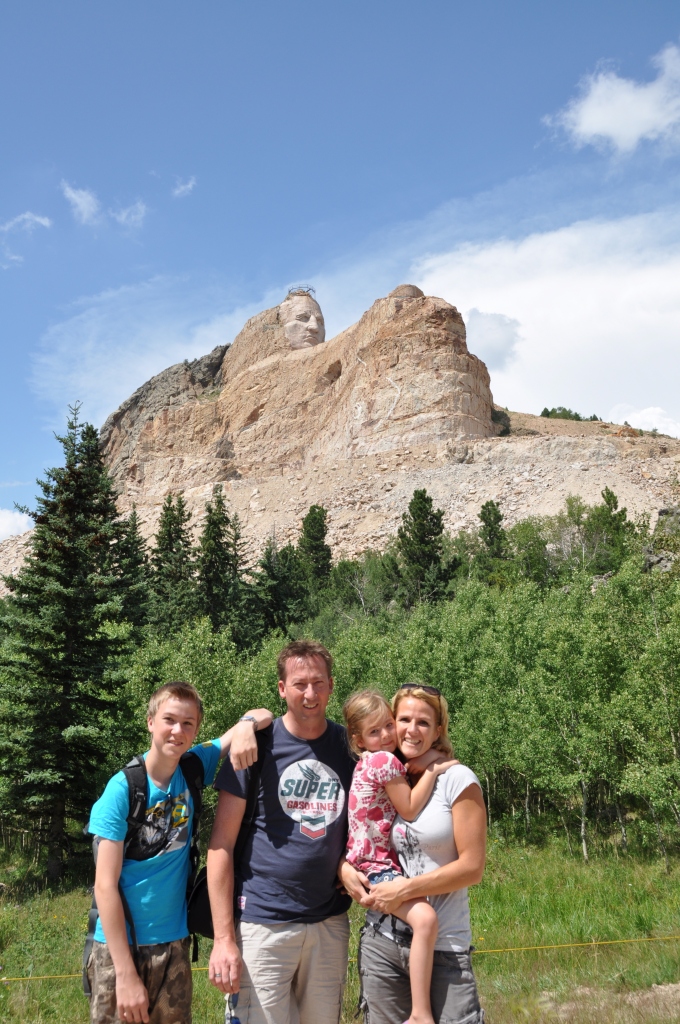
(510, 949)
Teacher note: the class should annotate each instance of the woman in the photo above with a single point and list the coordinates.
(442, 852)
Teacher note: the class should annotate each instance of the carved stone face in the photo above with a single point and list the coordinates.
(303, 321)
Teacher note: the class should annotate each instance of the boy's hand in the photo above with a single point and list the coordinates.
(132, 998)
(243, 752)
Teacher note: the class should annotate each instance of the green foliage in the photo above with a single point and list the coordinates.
(420, 549)
(561, 413)
(173, 586)
(314, 552)
(281, 586)
(64, 626)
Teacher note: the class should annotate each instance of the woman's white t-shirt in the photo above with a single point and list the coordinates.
(428, 843)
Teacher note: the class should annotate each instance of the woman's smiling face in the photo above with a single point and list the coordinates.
(417, 727)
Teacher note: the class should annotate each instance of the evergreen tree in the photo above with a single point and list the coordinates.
(173, 585)
(420, 547)
(281, 586)
(130, 557)
(313, 550)
(56, 703)
(490, 562)
(217, 569)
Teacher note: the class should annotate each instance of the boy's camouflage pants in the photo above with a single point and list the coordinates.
(166, 973)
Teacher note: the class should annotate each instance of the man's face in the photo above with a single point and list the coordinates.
(302, 321)
(306, 689)
(174, 727)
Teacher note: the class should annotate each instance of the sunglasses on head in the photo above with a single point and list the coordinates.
(419, 686)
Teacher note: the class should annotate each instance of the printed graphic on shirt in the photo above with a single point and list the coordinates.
(407, 845)
(311, 793)
(164, 830)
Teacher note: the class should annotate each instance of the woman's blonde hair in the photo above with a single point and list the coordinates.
(441, 710)
(357, 709)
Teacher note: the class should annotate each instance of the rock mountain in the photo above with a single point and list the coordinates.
(284, 419)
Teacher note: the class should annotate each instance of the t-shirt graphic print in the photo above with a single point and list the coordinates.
(310, 792)
(166, 828)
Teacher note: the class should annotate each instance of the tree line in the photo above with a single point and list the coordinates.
(555, 641)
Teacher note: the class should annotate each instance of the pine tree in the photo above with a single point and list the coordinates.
(420, 547)
(315, 554)
(491, 532)
(281, 586)
(173, 583)
(58, 702)
(217, 570)
(130, 557)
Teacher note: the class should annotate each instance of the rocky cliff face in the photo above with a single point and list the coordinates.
(402, 376)
(356, 423)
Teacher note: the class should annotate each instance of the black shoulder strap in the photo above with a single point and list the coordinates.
(192, 770)
(252, 796)
(135, 774)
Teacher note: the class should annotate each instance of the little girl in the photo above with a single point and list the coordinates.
(379, 790)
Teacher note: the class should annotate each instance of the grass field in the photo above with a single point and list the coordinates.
(529, 897)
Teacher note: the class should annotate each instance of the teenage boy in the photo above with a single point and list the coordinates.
(157, 988)
(288, 956)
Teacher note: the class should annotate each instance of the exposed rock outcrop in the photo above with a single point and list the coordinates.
(356, 423)
(401, 376)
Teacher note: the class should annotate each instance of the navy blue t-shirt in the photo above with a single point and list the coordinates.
(288, 869)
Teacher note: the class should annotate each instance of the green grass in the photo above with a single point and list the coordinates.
(529, 897)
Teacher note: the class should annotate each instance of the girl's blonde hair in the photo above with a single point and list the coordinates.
(441, 709)
(357, 709)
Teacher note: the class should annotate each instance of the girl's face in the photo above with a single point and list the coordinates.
(417, 727)
(378, 733)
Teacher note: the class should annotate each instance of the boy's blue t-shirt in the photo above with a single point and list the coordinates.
(155, 888)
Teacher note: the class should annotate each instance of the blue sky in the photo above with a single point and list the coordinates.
(169, 170)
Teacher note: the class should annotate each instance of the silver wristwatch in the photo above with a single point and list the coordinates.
(249, 718)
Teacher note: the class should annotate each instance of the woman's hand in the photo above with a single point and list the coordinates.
(387, 897)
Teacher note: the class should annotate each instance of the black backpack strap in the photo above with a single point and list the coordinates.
(252, 796)
(192, 770)
(137, 780)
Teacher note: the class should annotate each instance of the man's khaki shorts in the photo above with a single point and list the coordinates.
(165, 971)
(293, 973)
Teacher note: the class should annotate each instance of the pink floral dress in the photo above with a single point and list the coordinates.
(371, 813)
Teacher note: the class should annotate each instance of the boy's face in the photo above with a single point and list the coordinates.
(174, 727)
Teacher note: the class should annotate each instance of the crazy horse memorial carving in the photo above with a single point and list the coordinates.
(282, 398)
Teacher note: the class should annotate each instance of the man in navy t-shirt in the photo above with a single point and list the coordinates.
(292, 929)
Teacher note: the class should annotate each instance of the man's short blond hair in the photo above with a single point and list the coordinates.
(179, 690)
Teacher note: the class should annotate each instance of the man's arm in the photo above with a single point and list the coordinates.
(239, 741)
(225, 960)
(131, 996)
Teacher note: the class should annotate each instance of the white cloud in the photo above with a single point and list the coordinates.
(84, 203)
(620, 113)
(27, 221)
(183, 188)
(645, 419)
(12, 522)
(113, 342)
(23, 222)
(131, 216)
(597, 308)
(492, 336)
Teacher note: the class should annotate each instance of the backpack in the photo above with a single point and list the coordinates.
(199, 916)
(133, 849)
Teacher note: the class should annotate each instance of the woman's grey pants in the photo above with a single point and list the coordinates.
(386, 992)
